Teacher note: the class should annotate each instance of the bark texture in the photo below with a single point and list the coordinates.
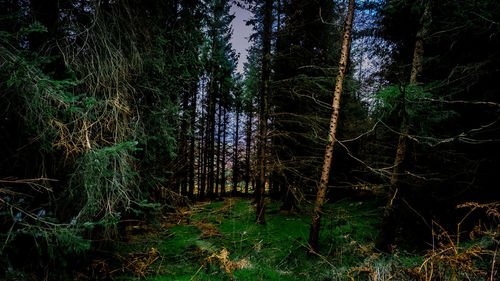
(223, 156)
(248, 149)
(325, 173)
(236, 165)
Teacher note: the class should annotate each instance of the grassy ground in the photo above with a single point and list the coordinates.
(220, 241)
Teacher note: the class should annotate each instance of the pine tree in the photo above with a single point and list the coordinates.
(320, 197)
(236, 151)
(220, 65)
(306, 49)
(260, 190)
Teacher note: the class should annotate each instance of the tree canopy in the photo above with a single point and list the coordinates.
(123, 115)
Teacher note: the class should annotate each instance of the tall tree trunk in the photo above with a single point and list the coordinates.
(320, 197)
(211, 138)
(203, 153)
(387, 236)
(223, 156)
(204, 150)
(200, 165)
(235, 153)
(218, 159)
(192, 139)
(266, 75)
(183, 152)
(248, 150)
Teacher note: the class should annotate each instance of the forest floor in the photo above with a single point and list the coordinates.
(220, 241)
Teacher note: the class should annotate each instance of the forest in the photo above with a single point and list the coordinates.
(359, 141)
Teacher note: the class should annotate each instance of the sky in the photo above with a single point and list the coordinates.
(241, 32)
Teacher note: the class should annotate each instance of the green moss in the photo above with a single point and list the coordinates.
(276, 250)
(180, 239)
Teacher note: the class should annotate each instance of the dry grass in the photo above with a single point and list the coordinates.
(207, 229)
(140, 264)
(222, 259)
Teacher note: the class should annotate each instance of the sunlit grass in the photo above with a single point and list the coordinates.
(277, 250)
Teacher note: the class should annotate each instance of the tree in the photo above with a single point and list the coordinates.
(220, 61)
(236, 152)
(96, 88)
(306, 49)
(429, 103)
(224, 150)
(250, 92)
(320, 197)
(386, 236)
(263, 109)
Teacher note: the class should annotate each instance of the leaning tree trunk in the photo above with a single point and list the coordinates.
(266, 74)
(387, 236)
(327, 162)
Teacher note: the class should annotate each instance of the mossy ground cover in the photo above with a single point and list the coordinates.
(274, 251)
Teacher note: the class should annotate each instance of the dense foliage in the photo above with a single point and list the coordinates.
(117, 114)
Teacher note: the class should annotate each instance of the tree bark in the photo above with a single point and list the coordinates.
(213, 92)
(218, 157)
(211, 139)
(183, 152)
(248, 150)
(320, 197)
(266, 75)
(204, 150)
(192, 139)
(387, 236)
(223, 156)
(235, 153)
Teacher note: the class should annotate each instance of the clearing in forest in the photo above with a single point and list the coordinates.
(220, 241)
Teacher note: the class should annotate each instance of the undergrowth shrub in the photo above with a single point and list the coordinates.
(34, 232)
(105, 178)
(85, 107)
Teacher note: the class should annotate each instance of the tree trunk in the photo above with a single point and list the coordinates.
(192, 139)
(387, 236)
(320, 197)
(266, 74)
(235, 153)
(200, 165)
(204, 151)
(211, 138)
(223, 156)
(183, 152)
(218, 159)
(248, 150)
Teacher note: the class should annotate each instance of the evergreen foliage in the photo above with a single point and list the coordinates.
(122, 117)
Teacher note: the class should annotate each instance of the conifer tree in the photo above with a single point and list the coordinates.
(220, 65)
(320, 197)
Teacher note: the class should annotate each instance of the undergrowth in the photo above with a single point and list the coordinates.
(220, 241)
(196, 248)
